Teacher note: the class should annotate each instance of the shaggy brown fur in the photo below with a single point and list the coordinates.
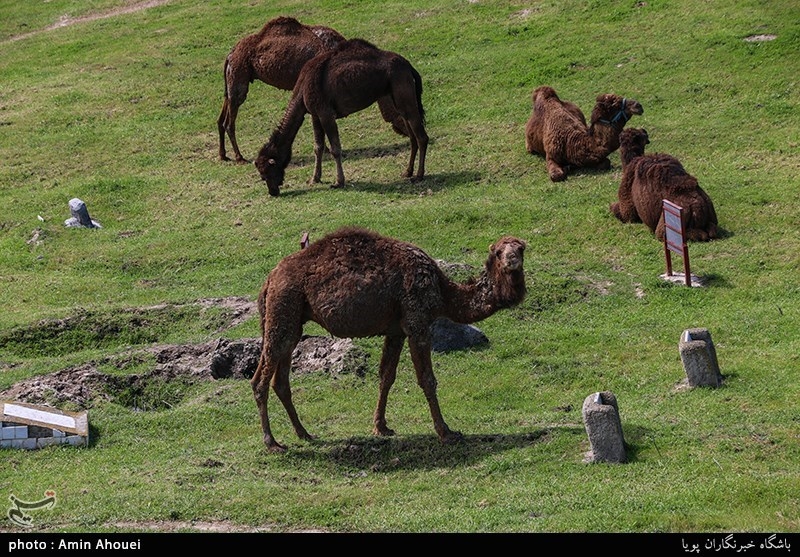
(334, 85)
(356, 283)
(275, 55)
(557, 130)
(649, 179)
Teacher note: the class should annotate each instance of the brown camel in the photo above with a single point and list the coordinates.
(334, 85)
(649, 179)
(275, 55)
(356, 283)
(557, 130)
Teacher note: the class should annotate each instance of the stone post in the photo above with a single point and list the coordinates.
(601, 418)
(80, 215)
(699, 358)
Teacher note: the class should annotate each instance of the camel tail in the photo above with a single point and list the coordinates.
(418, 85)
(262, 305)
(225, 75)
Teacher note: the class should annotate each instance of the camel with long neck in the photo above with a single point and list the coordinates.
(275, 55)
(356, 283)
(334, 85)
(648, 179)
(557, 130)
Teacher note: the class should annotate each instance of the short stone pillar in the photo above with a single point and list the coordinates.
(699, 358)
(601, 418)
(80, 215)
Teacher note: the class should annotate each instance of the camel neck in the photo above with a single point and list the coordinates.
(286, 131)
(480, 298)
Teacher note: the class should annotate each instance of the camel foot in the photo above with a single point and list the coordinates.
(337, 186)
(383, 431)
(224, 157)
(242, 160)
(306, 436)
(415, 179)
(451, 437)
(558, 177)
(273, 446)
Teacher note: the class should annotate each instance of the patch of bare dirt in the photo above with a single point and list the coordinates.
(80, 387)
(760, 38)
(66, 19)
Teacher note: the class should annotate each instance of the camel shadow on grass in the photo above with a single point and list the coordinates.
(431, 184)
(411, 452)
(374, 152)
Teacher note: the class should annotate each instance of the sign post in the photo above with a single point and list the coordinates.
(674, 238)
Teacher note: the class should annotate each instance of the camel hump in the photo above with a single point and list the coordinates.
(329, 37)
(544, 92)
(283, 21)
(284, 25)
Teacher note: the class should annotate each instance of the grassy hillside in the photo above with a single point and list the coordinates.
(116, 103)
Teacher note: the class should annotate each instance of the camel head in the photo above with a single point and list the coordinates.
(614, 109)
(271, 167)
(634, 139)
(506, 254)
(504, 270)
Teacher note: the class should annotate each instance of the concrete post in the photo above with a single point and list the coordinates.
(601, 418)
(699, 358)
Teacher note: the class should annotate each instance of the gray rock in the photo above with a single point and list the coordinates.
(80, 215)
(447, 336)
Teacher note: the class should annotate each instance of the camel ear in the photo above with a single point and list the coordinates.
(271, 161)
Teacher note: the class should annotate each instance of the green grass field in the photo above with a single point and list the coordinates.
(116, 103)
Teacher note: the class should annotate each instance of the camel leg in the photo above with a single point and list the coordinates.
(419, 142)
(221, 128)
(661, 228)
(328, 123)
(390, 114)
(280, 384)
(236, 88)
(624, 212)
(319, 149)
(421, 357)
(556, 171)
(624, 209)
(404, 96)
(280, 335)
(604, 164)
(392, 347)
(261, 382)
(227, 123)
(414, 148)
(422, 139)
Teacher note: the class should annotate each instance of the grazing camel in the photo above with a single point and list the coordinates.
(557, 130)
(357, 283)
(334, 85)
(649, 179)
(275, 55)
